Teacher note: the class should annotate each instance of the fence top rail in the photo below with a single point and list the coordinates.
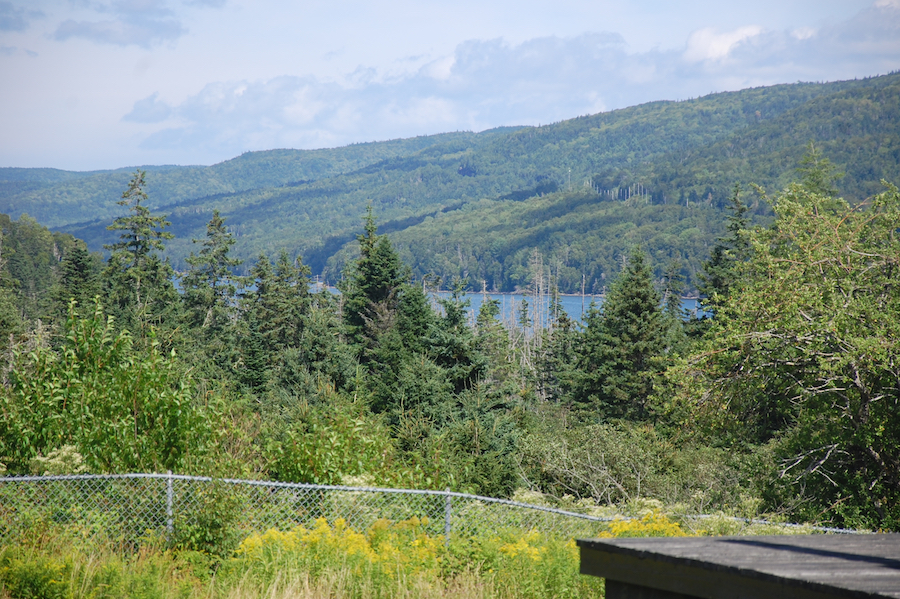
(432, 492)
(308, 486)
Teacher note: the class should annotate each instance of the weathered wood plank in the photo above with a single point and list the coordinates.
(803, 566)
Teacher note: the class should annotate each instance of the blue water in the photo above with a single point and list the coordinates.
(575, 306)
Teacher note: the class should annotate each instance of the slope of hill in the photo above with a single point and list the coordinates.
(671, 154)
(61, 198)
(673, 202)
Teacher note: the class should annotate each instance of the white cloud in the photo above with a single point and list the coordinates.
(804, 33)
(441, 68)
(198, 81)
(143, 23)
(707, 44)
(489, 83)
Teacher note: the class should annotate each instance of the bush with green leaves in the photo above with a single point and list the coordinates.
(620, 463)
(123, 410)
(325, 443)
(803, 355)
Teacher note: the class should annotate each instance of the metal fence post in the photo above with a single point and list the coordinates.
(448, 512)
(170, 524)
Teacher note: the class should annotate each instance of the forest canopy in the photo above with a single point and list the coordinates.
(475, 205)
(782, 401)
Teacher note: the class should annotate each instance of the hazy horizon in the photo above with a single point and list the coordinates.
(100, 85)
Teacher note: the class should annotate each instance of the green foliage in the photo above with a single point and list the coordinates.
(481, 437)
(622, 464)
(79, 278)
(210, 524)
(371, 287)
(283, 322)
(804, 351)
(63, 567)
(140, 292)
(555, 365)
(817, 173)
(320, 357)
(577, 232)
(209, 289)
(618, 356)
(59, 198)
(720, 271)
(325, 443)
(39, 578)
(393, 556)
(142, 233)
(30, 268)
(122, 410)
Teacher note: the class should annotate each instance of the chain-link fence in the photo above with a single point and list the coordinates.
(133, 507)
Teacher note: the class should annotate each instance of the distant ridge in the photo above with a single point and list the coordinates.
(666, 154)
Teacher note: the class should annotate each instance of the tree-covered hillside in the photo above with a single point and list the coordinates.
(670, 206)
(780, 402)
(60, 198)
(492, 243)
(669, 154)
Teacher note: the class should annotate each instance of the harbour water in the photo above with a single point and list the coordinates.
(575, 306)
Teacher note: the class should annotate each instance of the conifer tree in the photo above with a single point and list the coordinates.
(209, 286)
(619, 350)
(79, 278)
(818, 175)
(673, 308)
(556, 361)
(719, 274)
(10, 317)
(492, 341)
(274, 314)
(371, 288)
(139, 284)
(453, 344)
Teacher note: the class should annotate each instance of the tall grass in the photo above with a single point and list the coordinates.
(328, 559)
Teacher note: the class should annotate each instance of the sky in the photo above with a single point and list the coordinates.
(100, 84)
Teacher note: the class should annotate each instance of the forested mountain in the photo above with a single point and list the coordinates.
(493, 243)
(60, 198)
(476, 205)
(783, 402)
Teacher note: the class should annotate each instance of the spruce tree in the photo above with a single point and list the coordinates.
(275, 315)
(11, 323)
(454, 346)
(139, 287)
(719, 274)
(673, 309)
(371, 288)
(556, 360)
(209, 287)
(619, 351)
(79, 279)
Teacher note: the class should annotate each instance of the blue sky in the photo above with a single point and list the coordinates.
(93, 84)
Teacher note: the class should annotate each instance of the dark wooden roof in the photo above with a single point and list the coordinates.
(765, 567)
